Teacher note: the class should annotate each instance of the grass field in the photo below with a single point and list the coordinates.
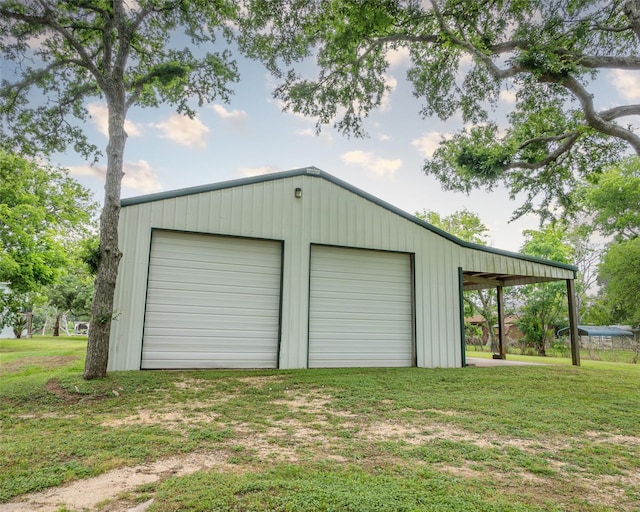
(555, 437)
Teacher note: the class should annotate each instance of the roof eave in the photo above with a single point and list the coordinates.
(315, 172)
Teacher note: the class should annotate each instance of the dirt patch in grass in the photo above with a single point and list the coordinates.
(295, 401)
(53, 386)
(173, 419)
(313, 436)
(445, 413)
(70, 397)
(47, 363)
(88, 493)
(260, 381)
(192, 384)
(599, 437)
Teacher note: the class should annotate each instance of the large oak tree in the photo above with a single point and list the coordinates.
(463, 55)
(127, 52)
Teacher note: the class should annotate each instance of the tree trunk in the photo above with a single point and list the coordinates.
(487, 310)
(102, 308)
(56, 326)
(65, 324)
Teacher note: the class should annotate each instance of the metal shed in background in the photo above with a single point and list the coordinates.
(293, 270)
(600, 336)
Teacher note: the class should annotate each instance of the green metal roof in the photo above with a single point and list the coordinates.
(315, 172)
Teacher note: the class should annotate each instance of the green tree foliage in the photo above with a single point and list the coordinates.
(542, 307)
(140, 53)
(463, 55)
(42, 209)
(615, 200)
(467, 226)
(89, 253)
(464, 224)
(620, 276)
(71, 294)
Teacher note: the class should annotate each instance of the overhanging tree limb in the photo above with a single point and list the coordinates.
(548, 52)
(592, 117)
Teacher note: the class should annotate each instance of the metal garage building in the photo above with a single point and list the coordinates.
(293, 270)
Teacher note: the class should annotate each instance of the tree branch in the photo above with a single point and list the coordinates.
(30, 20)
(631, 10)
(91, 7)
(124, 37)
(550, 138)
(621, 111)
(18, 87)
(85, 59)
(570, 140)
(591, 116)
(602, 61)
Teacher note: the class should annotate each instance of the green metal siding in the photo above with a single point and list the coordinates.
(330, 213)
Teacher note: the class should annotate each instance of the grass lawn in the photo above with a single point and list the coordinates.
(585, 361)
(554, 438)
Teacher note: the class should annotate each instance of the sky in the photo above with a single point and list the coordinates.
(251, 135)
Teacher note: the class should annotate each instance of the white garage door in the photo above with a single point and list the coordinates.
(361, 309)
(212, 302)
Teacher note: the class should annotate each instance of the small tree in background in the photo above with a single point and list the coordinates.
(614, 197)
(541, 308)
(467, 226)
(41, 210)
(620, 277)
(70, 294)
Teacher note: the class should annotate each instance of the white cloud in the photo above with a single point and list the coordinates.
(392, 83)
(466, 60)
(235, 117)
(257, 171)
(131, 5)
(371, 162)
(137, 175)
(310, 132)
(383, 137)
(627, 83)
(184, 130)
(100, 115)
(307, 132)
(428, 142)
(140, 176)
(508, 96)
(398, 56)
(37, 42)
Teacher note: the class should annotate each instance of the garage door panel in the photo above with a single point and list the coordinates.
(222, 309)
(361, 303)
(202, 299)
(207, 266)
(361, 308)
(212, 302)
(201, 276)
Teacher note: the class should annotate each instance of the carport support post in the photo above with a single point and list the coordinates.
(573, 322)
(501, 333)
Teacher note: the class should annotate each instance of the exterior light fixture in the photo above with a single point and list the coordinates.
(298, 192)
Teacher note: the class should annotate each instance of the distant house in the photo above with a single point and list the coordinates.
(296, 269)
(512, 333)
